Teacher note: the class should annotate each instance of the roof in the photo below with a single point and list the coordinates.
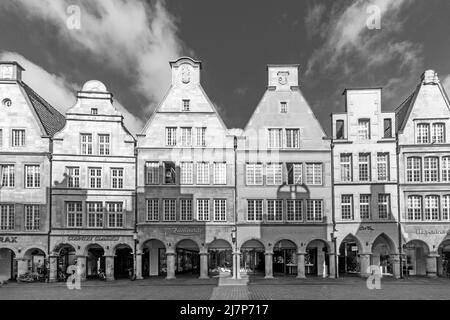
(402, 112)
(51, 119)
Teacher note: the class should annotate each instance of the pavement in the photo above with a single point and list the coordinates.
(224, 288)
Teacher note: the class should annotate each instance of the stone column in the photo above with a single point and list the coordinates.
(301, 265)
(170, 265)
(236, 265)
(81, 264)
(396, 266)
(364, 262)
(204, 265)
(53, 268)
(138, 266)
(109, 266)
(332, 271)
(268, 265)
(22, 266)
(432, 265)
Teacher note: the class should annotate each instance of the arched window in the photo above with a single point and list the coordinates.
(414, 207)
(431, 169)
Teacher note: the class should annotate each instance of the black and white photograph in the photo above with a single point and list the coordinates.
(238, 152)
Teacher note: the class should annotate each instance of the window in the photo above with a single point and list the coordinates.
(203, 210)
(18, 138)
(94, 111)
(414, 207)
(152, 173)
(220, 173)
(170, 174)
(186, 137)
(423, 133)
(364, 206)
(294, 210)
(186, 105)
(364, 167)
(346, 168)
(431, 208)
(200, 137)
(33, 176)
(283, 107)
(117, 178)
(414, 169)
(340, 129)
(387, 128)
(383, 206)
(95, 214)
(274, 174)
(254, 174)
(115, 214)
(293, 138)
(314, 173)
(294, 173)
(202, 172)
(363, 129)
(86, 143)
(187, 173)
(314, 210)
(254, 210)
(431, 169)
(95, 178)
(103, 144)
(275, 138)
(74, 214)
(274, 210)
(438, 133)
(186, 210)
(383, 166)
(73, 177)
(347, 207)
(7, 175)
(171, 137)
(446, 207)
(1, 138)
(220, 210)
(152, 210)
(445, 169)
(7, 217)
(32, 218)
(170, 210)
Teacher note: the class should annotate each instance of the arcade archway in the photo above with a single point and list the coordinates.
(36, 262)
(317, 259)
(187, 258)
(252, 257)
(349, 250)
(95, 261)
(8, 264)
(285, 258)
(154, 260)
(444, 259)
(416, 252)
(123, 261)
(220, 259)
(383, 250)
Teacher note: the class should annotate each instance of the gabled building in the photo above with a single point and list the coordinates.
(185, 182)
(423, 125)
(27, 125)
(365, 184)
(284, 185)
(93, 192)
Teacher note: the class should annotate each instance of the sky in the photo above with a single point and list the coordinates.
(128, 45)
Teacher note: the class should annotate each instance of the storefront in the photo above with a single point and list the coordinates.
(383, 251)
(252, 257)
(123, 262)
(349, 256)
(8, 264)
(285, 258)
(187, 258)
(444, 259)
(154, 261)
(220, 257)
(317, 259)
(95, 261)
(416, 252)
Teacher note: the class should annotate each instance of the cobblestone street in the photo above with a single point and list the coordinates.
(255, 289)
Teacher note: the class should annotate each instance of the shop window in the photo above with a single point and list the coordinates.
(169, 173)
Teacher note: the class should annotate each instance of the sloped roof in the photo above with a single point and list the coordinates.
(51, 119)
(402, 112)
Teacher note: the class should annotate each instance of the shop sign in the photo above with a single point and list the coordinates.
(93, 238)
(431, 232)
(184, 231)
(354, 248)
(8, 239)
(366, 228)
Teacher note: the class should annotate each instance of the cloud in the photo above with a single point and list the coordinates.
(137, 38)
(313, 19)
(58, 91)
(446, 83)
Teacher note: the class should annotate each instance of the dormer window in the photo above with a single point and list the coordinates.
(94, 111)
(423, 133)
(387, 128)
(340, 129)
(7, 102)
(186, 105)
(364, 129)
(283, 107)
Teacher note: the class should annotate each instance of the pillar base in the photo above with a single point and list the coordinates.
(203, 277)
(170, 278)
(269, 277)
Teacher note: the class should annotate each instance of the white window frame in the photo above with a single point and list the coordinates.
(445, 169)
(187, 173)
(274, 141)
(151, 173)
(18, 138)
(438, 132)
(364, 166)
(423, 133)
(220, 173)
(186, 105)
(274, 210)
(77, 214)
(414, 169)
(347, 207)
(203, 173)
(431, 169)
(95, 180)
(73, 177)
(152, 210)
(254, 175)
(104, 144)
(314, 210)
(431, 208)
(294, 210)
(414, 207)
(292, 138)
(200, 137)
(274, 174)
(346, 167)
(255, 209)
(363, 129)
(115, 214)
(297, 173)
(95, 215)
(220, 210)
(32, 176)
(283, 107)
(117, 178)
(364, 206)
(384, 206)
(171, 136)
(186, 210)
(32, 217)
(169, 209)
(445, 207)
(86, 143)
(186, 136)
(8, 176)
(314, 178)
(383, 166)
(203, 210)
(7, 217)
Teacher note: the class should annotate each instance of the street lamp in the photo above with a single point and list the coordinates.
(235, 256)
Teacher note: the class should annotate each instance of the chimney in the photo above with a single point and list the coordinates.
(430, 77)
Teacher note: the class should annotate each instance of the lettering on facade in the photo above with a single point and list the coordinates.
(431, 232)
(8, 239)
(93, 238)
(366, 228)
(183, 231)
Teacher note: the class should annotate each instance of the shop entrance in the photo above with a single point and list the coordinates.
(444, 259)
(285, 258)
(36, 263)
(416, 258)
(382, 254)
(349, 256)
(252, 257)
(8, 264)
(123, 262)
(188, 258)
(316, 258)
(154, 262)
(66, 258)
(95, 262)
(220, 257)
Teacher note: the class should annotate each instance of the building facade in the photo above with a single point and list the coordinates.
(365, 185)
(284, 185)
(185, 182)
(424, 156)
(93, 189)
(27, 124)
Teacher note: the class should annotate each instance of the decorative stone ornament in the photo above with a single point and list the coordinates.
(283, 77)
(185, 74)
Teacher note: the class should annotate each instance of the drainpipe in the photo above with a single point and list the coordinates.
(397, 151)
(135, 235)
(50, 204)
(333, 213)
(236, 263)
